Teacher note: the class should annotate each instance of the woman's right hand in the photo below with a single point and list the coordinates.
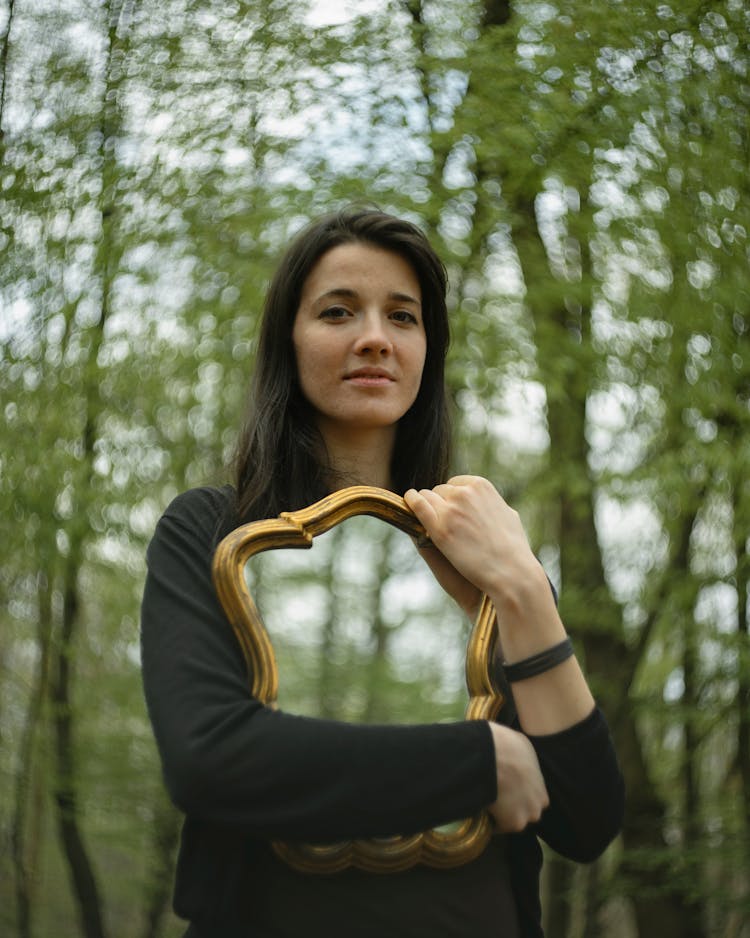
(521, 793)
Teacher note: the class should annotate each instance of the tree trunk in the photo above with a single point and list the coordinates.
(80, 867)
(741, 515)
(592, 902)
(690, 705)
(164, 837)
(329, 692)
(559, 875)
(377, 666)
(25, 846)
(4, 47)
(661, 908)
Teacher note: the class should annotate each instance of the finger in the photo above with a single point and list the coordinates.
(432, 510)
(424, 505)
(475, 483)
(430, 497)
(463, 480)
(462, 488)
(450, 500)
(445, 490)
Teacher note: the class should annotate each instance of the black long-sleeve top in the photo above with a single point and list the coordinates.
(244, 775)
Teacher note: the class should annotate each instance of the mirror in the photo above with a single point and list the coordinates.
(360, 629)
(360, 567)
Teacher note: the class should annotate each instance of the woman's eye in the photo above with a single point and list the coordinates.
(403, 315)
(335, 312)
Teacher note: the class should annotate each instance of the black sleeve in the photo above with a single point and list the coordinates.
(583, 779)
(227, 758)
(586, 789)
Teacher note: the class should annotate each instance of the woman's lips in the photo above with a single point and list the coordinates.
(369, 378)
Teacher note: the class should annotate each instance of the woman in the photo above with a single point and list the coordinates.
(349, 389)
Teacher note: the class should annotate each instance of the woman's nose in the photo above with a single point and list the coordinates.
(373, 336)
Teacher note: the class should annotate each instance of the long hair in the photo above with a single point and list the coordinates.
(280, 460)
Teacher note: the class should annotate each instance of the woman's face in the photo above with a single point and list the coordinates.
(359, 338)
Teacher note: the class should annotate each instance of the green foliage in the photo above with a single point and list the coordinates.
(582, 169)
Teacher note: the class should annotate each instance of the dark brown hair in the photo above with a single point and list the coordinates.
(278, 460)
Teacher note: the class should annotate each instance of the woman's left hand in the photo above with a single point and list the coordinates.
(482, 538)
(479, 535)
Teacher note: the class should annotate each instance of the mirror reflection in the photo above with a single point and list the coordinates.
(360, 628)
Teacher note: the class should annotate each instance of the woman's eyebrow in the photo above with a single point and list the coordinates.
(352, 294)
(404, 298)
(338, 291)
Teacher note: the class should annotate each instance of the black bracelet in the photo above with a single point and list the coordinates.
(539, 663)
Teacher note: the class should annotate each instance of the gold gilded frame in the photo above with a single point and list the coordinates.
(434, 848)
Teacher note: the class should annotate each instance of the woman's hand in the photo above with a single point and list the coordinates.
(483, 543)
(521, 792)
(477, 532)
(455, 585)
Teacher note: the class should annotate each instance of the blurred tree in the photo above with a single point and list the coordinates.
(583, 170)
(574, 106)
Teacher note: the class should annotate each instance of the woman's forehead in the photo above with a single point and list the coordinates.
(356, 266)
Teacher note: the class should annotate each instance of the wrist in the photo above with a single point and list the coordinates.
(527, 616)
(539, 663)
(521, 590)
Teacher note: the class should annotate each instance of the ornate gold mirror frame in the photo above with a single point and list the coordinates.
(435, 848)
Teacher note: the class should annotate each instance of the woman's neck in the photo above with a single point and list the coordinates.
(361, 457)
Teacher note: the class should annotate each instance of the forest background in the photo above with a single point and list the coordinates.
(583, 169)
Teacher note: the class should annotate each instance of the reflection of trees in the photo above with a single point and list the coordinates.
(375, 710)
(354, 620)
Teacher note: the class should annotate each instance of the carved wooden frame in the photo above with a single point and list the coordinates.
(434, 848)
